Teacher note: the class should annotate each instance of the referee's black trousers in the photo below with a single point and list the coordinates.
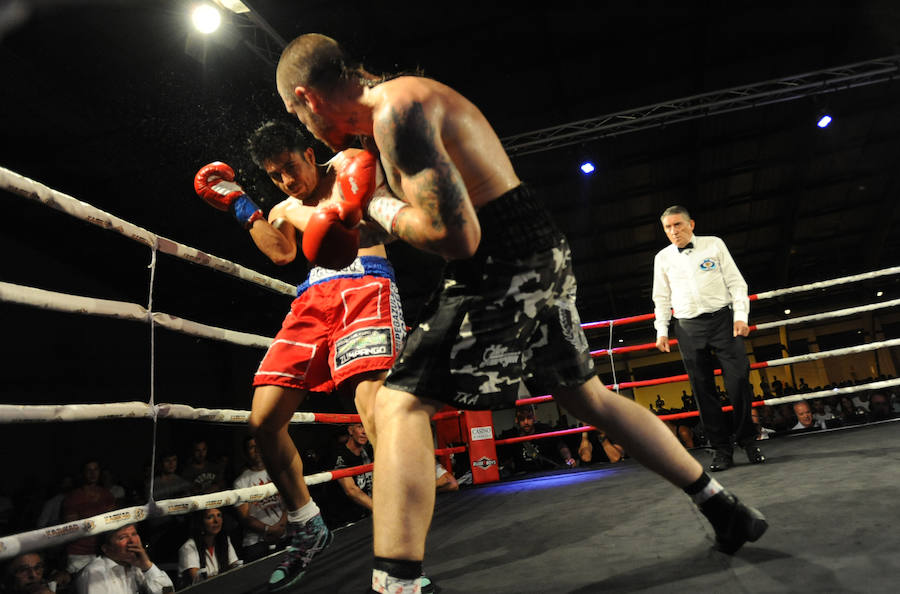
(701, 341)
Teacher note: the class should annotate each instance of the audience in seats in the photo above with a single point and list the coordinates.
(805, 420)
(445, 481)
(208, 551)
(90, 498)
(762, 432)
(204, 475)
(123, 567)
(349, 499)
(29, 573)
(536, 454)
(880, 407)
(596, 448)
(263, 521)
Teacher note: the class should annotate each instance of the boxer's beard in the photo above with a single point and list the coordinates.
(328, 133)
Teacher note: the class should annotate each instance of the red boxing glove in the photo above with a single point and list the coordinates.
(215, 184)
(358, 177)
(328, 241)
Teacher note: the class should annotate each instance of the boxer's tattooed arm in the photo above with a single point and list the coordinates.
(431, 182)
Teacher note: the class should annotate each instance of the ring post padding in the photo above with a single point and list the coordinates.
(479, 434)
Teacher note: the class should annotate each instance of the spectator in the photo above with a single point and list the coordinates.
(208, 536)
(849, 413)
(204, 475)
(805, 420)
(51, 511)
(264, 520)
(777, 386)
(880, 407)
(27, 574)
(349, 499)
(168, 484)
(596, 447)
(446, 482)
(111, 482)
(535, 454)
(123, 567)
(90, 499)
(762, 432)
(822, 415)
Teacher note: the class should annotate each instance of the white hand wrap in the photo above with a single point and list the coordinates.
(383, 209)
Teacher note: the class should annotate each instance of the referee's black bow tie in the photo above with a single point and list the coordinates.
(689, 245)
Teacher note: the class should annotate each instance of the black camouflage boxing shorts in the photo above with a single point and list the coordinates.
(505, 315)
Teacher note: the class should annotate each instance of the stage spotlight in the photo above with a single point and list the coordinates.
(587, 168)
(206, 18)
(787, 312)
(879, 293)
(824, 120)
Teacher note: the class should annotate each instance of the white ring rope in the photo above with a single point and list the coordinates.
(838, 313)
(829, 283)
(29, 188)
(43, 299)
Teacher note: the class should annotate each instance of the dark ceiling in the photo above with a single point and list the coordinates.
(117, 104)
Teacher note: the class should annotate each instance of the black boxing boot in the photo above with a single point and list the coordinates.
(733, 522)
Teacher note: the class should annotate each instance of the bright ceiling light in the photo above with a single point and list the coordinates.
(879, 293)
(787, 312)
(206, 18)
(824, 121)
(587, 167)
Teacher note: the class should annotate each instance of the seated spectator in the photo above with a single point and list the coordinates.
(263, 521)
(89, 499)
(167, 484)
(535, 454)
(849, 413)
(204, 475)
(762, 432)
(597, 448)
(349, 499)
(822, 415)
(880, 407)
(207, 536)
(51, 511)
(805, 420)
(27, 574)
(446, 482)
(123, 567)
(109, 480)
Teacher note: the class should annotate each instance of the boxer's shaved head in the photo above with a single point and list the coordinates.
(312, 60)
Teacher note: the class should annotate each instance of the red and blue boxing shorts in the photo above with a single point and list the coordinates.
(342, 323)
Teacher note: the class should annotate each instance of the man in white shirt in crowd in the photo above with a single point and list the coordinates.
(697, 277)
(123, 568)
(264, 521)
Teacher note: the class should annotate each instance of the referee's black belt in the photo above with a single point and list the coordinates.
(707, 316)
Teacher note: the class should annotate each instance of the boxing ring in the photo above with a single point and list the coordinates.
(827, 495)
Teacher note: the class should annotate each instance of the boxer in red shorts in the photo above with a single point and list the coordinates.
(344, 329)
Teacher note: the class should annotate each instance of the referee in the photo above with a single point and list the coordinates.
(697, 277)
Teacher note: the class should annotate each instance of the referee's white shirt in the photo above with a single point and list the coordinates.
(699, 280)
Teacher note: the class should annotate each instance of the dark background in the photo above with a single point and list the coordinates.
(118, 104)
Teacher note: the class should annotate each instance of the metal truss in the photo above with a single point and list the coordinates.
(699, 106)
(258, 35)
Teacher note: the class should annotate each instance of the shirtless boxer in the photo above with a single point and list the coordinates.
(508, 290)
(344, 328)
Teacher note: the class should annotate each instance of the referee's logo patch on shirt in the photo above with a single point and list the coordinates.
(708, 265)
